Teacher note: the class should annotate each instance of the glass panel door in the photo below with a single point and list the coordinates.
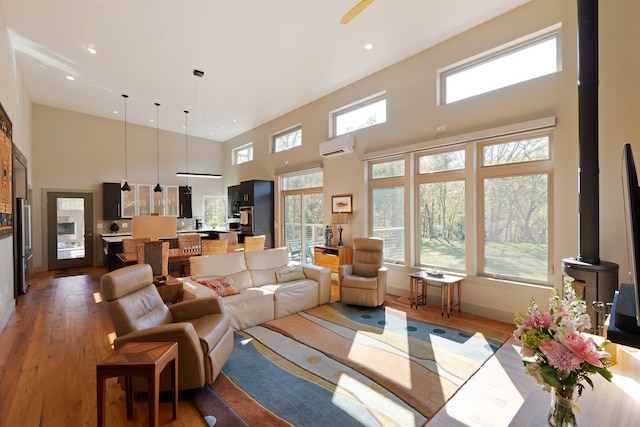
(70, 230)
(303, 228)
(172, 200)
(158, 202)
(129, 202)
(144, 199)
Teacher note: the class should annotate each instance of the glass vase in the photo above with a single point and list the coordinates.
(561, 410)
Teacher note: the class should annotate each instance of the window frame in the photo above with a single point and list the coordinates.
(235, 153)
(474, 175)
(504, 50)
(439, 177)
(285, 132)
(526, 168)
(354, 106)
(397, 181)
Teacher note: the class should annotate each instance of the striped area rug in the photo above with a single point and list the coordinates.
(339, 365)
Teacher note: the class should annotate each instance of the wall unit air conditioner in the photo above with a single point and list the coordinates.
(340, 145)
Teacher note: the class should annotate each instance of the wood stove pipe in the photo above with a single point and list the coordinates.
(588, 181)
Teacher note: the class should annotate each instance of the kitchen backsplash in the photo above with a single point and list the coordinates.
(120, 226)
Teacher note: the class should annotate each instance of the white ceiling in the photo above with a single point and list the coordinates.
(261, 58)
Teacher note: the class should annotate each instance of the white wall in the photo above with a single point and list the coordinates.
(74, 151)
(16, 103)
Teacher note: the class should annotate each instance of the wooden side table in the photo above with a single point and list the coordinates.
(445, 283)
(171, 290)
(332, 256)
(140, 359)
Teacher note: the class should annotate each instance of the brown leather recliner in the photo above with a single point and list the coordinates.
(364, 282)
(200, 327)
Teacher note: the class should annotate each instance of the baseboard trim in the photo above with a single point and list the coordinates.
(7, 315)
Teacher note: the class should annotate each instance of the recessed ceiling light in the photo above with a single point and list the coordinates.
(368, 46)
(92, 50)
(71, 78)
(115, 112)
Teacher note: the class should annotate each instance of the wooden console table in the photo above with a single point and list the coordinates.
(332, 256)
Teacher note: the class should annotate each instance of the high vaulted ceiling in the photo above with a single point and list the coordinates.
(261, 58)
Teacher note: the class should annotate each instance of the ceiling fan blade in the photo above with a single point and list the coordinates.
(355, 10)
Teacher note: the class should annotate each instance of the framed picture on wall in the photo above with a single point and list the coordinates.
(341, 204)
(6, 175)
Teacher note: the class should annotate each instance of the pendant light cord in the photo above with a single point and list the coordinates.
(125, 139)
(157, 145)
(186, 142)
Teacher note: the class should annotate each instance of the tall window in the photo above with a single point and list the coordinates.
(302, 213)
(215, 211)
(441, 209)
(243, 154)
(524, 59)
(387, 207)
(361, 114)
(515, 179)
(288, 139)
(481, 207)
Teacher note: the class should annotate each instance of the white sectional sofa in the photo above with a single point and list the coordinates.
(268, 286)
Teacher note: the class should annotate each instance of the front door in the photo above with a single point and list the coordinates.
(70, 229)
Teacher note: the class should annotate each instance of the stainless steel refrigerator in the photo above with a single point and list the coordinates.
(22, 236)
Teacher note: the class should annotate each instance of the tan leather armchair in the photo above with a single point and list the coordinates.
(200, 327)
(364, 282)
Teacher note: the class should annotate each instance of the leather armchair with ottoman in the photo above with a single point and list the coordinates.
(200, 327)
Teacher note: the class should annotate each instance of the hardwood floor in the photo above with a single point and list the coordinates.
(59, 331)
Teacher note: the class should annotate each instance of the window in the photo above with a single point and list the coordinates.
(482, 207)
(364, 113)
(302, 214)
(441, 209)
(243, 154)
(215, 211)
(288, 139)
(515, 180)
(387, 207)
(521, 60)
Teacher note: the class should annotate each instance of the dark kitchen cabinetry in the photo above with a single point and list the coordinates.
(233, 198)
(111, 200)
(184, 200)
(259, 195)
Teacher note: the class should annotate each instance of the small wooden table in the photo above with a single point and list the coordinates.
(444, 282)
(140, 359)
(170, 290)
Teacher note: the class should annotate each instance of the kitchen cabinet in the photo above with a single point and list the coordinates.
(259, 195)
(184, 203)
(255, 191)
(129, 202)
(234, 198)
(144, 199)
(172, 203)
(111, 200)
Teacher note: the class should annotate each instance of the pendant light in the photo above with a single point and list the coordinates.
(186, 149)
(188, 174)
(157, 188)
(125, 186)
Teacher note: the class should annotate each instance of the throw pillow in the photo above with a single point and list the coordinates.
(289, 273)
(221, 285)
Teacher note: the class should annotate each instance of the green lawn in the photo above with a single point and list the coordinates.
(525, 260)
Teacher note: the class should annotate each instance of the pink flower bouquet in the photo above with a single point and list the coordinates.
(556, 352)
